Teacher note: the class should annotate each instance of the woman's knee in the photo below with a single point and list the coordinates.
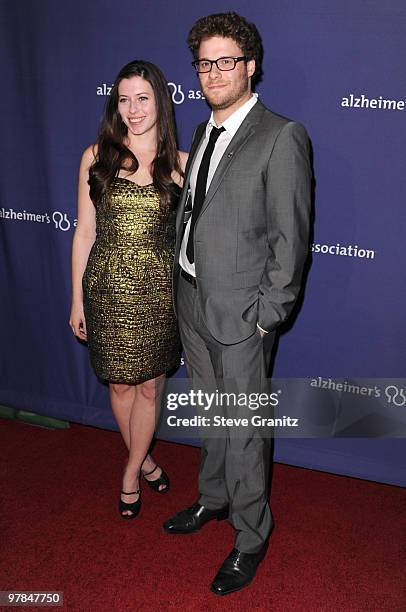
(120, 389)
(151, 389)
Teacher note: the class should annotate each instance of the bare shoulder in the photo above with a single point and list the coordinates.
(89, 156)
(183, 156)
(176, 177)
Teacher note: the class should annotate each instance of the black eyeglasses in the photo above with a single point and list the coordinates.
(222, 63)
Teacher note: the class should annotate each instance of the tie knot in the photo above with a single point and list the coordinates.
(215, 133)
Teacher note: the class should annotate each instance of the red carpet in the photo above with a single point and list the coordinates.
(339, 543)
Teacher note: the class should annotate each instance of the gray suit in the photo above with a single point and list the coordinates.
(250, 245)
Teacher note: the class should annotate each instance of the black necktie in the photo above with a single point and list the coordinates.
(200, 191)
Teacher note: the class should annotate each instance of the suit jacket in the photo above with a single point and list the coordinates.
(251, 238)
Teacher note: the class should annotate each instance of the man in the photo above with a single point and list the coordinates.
(238, 268)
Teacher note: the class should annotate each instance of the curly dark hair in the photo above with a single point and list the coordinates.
(113, 154)
(229, 25)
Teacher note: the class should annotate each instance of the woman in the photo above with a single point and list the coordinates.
(121, 262)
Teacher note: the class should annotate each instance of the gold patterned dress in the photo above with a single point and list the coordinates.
(131, 326)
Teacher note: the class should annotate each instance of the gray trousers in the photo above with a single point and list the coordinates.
(234, 465)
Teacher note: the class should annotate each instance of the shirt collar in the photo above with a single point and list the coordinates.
(233, 122)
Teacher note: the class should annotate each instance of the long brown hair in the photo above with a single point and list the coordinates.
(112, 153)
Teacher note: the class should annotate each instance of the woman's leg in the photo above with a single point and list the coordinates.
(122, 399)
(137, 424)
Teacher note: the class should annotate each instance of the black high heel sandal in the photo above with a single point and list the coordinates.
(155, 484)
(134, 508)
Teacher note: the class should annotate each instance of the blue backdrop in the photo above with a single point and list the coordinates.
(335, 65)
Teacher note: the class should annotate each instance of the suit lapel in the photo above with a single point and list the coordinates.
(241, 137)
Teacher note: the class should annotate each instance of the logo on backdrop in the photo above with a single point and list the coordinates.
(61, 221)
(380, 103)
(393, 395)
(57, 219)
(178, 92)
(348, 250)
(104, 89)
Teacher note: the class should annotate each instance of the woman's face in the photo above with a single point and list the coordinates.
(136, 105)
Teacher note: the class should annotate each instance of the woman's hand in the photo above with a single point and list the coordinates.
(77, 321)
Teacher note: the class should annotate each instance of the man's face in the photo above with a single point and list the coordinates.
(223, 89)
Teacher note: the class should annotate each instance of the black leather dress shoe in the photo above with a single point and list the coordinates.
(237, 571)
(192, 519)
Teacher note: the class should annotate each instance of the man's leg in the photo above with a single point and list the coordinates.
(243, 368)
(213, 492)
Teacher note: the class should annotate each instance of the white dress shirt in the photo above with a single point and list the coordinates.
(230, 126)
